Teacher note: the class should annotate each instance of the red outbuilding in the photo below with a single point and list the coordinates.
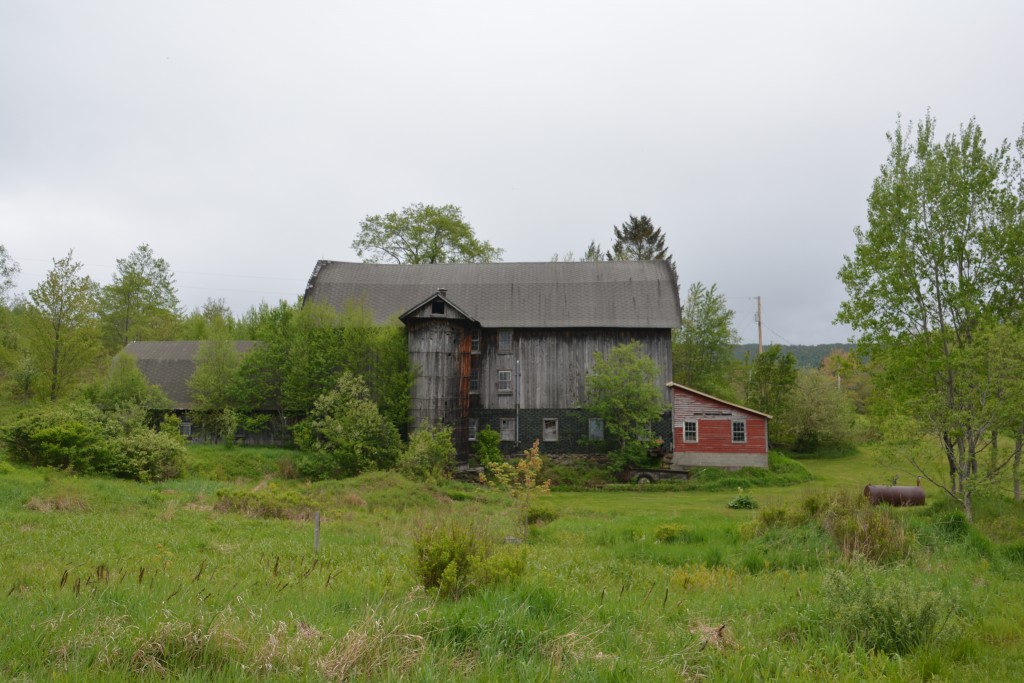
(710, 432)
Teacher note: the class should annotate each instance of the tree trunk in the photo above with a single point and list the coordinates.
(1016, 462)
(947, 445)
(968, 509)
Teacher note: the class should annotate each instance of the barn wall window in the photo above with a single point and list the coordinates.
(472, 428)
(504, 381)
(596, 429)
(436, 307)
(504, 341)
(690, 431)
(508, 429)
(474, 342)
(739, 432)
(474, 381)
(550, 429)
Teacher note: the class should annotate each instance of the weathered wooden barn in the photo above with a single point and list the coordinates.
(711, 432)
(509, 345)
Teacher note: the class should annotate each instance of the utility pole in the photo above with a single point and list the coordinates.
(760, 344)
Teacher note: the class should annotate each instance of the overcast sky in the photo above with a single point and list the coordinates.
(245, 140)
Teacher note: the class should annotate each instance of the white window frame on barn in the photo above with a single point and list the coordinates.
(690, 432)
(508, 428)
(472, 427)
(741, 432)
(595, 429)
(505, 341)
(474, 381)
(504, 381)
(549, 429)
(474, 341)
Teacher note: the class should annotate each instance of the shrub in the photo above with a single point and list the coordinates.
(80, 437)
(669, 533)
(146, 455)
(520, 481)
(742, 501)
(430, 454)
(488, 446)
(541, 513)
(884, 611)
(71, 435)
(345, 434)
(455, 557)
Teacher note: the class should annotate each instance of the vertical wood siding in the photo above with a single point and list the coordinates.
(554, 363)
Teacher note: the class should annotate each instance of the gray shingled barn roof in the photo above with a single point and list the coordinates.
(170, 364)
(618, 294)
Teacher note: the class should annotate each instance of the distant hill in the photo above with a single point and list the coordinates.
(807, 356)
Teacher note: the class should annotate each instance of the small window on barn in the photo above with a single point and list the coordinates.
(508, 429)
(550, 429)
(504, 341)
(690, 432)
(739, 432)
(596, 430)
(472, 428)
(436, 307)
(186, 428)
(504, 381)
(474, 343)
(474, 381)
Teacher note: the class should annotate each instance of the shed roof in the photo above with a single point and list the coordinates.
(170, 364)
(617, 294)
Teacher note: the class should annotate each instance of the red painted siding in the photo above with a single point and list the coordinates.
(714, 425)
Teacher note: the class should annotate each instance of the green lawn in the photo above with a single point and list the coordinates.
(216, 579)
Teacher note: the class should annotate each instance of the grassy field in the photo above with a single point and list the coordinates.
(213, 577)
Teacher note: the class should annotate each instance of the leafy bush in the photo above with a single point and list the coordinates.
(884, 611)
(488, 446)
(454, 558)
(146, 455)
(80, 437)
(742, 501)
(430, 454)
(541, 513)
(70, 435)
(669, 533)
(345, 433)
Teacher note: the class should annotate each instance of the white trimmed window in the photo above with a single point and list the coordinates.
(549, 431)
(690, 431)
(739, 432)
(504, 381)
(474, 342)
(508, 429)
(596, 429)
(474, 381)
(472, 428)
(504, 341)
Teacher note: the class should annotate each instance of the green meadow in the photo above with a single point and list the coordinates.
(214, 577)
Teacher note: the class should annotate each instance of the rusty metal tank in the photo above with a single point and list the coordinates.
(902, 496)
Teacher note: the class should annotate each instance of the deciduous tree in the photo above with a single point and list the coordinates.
(63, 324)
(941, 261)
(622, 390)
(702, 353)
(422, 234)
(141, 302)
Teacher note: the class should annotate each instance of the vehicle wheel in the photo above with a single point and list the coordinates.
(644, 479)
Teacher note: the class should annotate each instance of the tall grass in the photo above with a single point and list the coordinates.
(181, 580)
